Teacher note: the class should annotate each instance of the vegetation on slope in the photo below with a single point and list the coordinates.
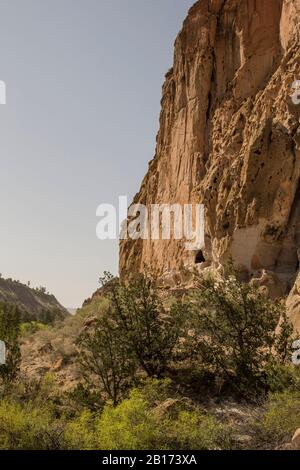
(160, 372)
(33, 304)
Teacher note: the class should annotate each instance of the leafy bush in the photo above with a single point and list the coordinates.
(136, 424)
(29, 328)
(85, 397)
(28, 427)
(195, 430)
(282, 377)
(105, 356)
(134, 330)
(133, 336)
(234, 332)
(79, 433)
(127, 426)
(282, 416)
(151, 330)
(36, 415)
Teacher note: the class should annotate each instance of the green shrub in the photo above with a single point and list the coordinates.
(195, 430)
(105, 357)
(234, 334)
(79, 433)
(155, 390)
(136, 423)
(28, 328)
(83, 397)
(151, 329)
(134, 330)
(280, 419)
(28, 427)
(130, 425)
(282, 377)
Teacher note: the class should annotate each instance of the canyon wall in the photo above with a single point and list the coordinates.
(229, 138)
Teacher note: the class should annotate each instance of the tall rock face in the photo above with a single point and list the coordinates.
(229, 138)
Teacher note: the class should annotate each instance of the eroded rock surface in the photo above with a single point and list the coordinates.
(229, 138)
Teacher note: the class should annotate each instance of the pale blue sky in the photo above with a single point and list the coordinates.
(84, 84)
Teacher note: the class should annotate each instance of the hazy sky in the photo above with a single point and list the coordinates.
(84, 84)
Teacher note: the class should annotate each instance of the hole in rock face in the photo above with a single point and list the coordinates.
(199, 257)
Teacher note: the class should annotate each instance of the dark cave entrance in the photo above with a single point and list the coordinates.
(199, 257)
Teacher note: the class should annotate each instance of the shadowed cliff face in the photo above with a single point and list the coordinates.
(229, 138)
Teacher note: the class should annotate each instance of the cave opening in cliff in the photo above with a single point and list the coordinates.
(199, 257)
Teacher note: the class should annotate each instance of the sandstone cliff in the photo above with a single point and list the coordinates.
(229, 138)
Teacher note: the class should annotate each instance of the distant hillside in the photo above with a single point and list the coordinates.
(35, 304)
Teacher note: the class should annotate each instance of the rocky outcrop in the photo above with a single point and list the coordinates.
(229, 138)
(53, 350)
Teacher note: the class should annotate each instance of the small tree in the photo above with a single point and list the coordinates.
(104, 355)
(9, 333)
(151, 330)
(234, 327)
